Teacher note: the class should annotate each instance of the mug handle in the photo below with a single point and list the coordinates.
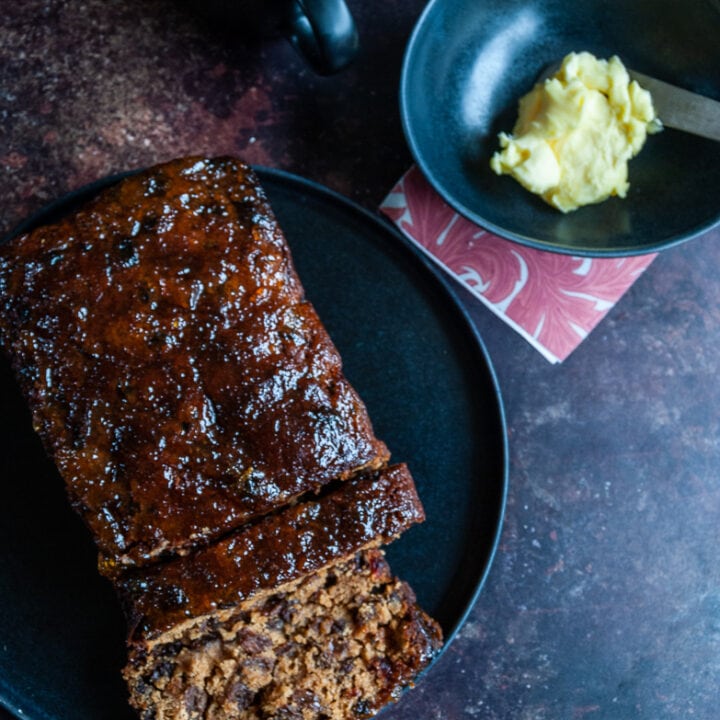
(324, 33)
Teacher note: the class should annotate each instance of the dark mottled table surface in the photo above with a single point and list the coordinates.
(604, 599)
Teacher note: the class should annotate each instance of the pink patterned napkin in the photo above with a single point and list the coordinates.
(552, 300)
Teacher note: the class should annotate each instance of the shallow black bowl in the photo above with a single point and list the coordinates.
(467, 64)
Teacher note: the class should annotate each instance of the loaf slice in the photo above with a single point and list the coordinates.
(174, 370)
(340, 644)
(162, 599)
(297, 616)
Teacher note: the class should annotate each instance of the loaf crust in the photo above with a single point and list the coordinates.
(175, 372)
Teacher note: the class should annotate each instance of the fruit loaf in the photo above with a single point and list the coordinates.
(198, 413)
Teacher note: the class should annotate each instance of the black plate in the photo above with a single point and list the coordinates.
(430, 389)
(467, 64)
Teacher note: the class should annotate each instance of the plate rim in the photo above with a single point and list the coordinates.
(10, 699)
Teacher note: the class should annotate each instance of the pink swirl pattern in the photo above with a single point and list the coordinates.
(552, 300)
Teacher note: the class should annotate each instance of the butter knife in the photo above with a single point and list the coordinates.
(681, 109)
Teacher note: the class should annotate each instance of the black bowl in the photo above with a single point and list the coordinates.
(467, 64)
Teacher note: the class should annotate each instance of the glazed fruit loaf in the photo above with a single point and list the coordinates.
(174, 370)
(296, 616)
(198, 413)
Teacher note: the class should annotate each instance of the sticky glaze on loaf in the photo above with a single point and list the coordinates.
(175, 371)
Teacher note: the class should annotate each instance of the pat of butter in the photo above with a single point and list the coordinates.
(576, 131)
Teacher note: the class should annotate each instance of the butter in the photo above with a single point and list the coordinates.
(576, 131)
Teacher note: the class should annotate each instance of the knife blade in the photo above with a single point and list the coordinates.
(681, 109)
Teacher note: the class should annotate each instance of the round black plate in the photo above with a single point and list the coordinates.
(430, 389)
(468, 63)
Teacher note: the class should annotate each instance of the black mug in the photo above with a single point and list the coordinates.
(322, 31)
